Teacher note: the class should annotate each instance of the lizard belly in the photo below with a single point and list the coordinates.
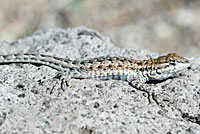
(124, 75)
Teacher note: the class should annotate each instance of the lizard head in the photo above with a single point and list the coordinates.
(172, 58)
(168, 65)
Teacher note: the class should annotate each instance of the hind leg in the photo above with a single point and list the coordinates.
(60, 80)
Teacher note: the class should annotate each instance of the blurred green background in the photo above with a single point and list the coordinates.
(157, 25)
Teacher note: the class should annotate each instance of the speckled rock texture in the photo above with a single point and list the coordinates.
(90, 106)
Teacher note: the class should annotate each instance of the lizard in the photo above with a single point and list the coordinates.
(136, 72)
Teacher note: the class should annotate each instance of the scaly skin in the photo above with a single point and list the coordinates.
(135, 72)
(104, 68)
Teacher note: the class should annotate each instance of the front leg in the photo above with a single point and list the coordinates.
(142, 86)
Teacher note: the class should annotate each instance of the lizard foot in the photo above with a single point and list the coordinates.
(161, 98)
(60, 81)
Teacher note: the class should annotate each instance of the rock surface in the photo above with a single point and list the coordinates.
(90, 106)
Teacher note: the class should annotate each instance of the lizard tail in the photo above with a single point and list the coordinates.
(53, 62)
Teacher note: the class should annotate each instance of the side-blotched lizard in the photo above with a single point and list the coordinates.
(136, 72)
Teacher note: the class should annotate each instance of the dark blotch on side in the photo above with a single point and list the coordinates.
(100, 67)
(91, 61)
(90, 68)
(82, 63)
(75, 62)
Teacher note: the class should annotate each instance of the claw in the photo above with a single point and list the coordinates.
(64, 84)
(157, 99)
(161, 98)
